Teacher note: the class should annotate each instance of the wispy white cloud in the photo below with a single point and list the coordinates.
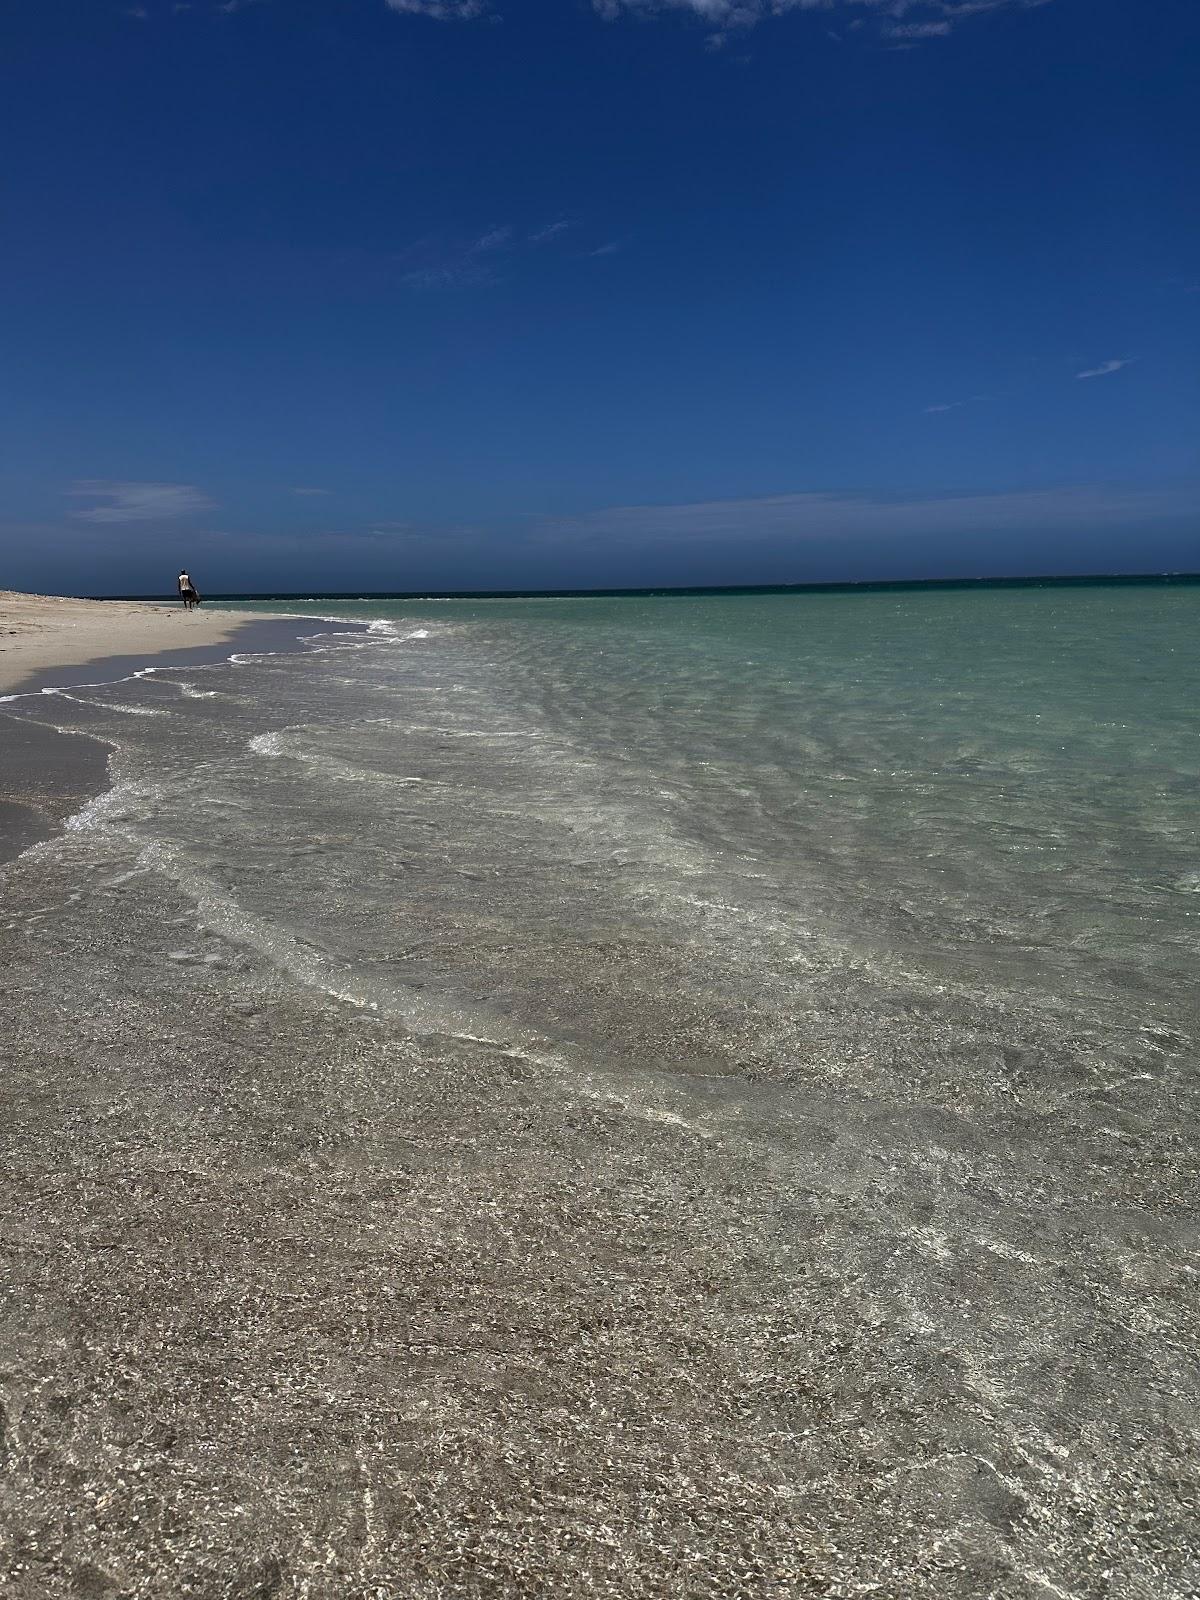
(494, 239)
(440, 10)
(912, 32)
(609, 249)
(1105, 368)
(213, 8)
(953, 405)
(137, 502)
(823, 517)
(220, 8)
(459, 274)
(439, 263)
(930, 19)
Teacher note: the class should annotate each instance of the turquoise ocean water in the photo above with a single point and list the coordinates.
(988, 778)
(683, 1095)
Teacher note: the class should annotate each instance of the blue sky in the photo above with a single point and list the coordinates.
(516, 293)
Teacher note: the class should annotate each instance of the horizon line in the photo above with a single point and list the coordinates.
(1015, 580)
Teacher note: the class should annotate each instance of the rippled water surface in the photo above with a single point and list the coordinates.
(997, 778)
(698, 1093)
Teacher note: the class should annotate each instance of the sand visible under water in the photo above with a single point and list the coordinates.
(477, 1124)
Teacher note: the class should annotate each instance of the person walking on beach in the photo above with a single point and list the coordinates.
(187, 591)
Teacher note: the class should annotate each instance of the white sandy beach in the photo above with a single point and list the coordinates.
(40, 631)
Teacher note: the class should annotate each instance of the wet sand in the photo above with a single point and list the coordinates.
(438, 1163)
(47, 642)
(40, 632)
(44, 778)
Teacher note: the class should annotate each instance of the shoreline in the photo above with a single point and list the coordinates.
(43, 636)
(531, 1085)
(252, 634)
(49, 775)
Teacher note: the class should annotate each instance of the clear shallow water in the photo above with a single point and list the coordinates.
(996, 779)
(720, 1068)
